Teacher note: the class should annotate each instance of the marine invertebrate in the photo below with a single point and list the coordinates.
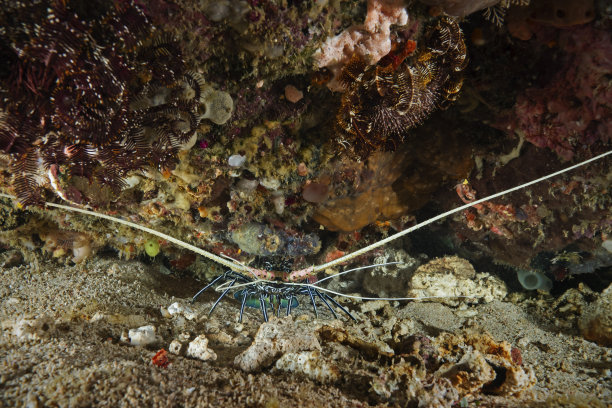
(497, 12)
(219, 105)
(494, 10)
(276, 295)
(532, 280)
(381, 102)
(278, 285)
(82, 101)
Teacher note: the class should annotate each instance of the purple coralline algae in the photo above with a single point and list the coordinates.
(574, 110)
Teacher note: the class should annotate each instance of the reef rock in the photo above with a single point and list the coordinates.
(596, 321)
(275, 338)
(310, 364)
(453, 278)
(198, 348)
(143, 336)
(485, 366)
(390, 280)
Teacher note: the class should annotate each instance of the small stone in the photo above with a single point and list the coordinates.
(236, 160)
(302, 170)
(164, 312)
(292, 94)
(143, 336)
(33, 328)
(198, 348)
(178, 309)
(175, 347)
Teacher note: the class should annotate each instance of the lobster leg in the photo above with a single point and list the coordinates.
(264, 310)
(312, 299)
(242, 303)
(326, 304)
(339, 305)
(222, 295)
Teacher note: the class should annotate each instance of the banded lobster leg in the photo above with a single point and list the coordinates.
(275, 293)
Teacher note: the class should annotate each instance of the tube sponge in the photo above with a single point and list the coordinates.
(532, 280)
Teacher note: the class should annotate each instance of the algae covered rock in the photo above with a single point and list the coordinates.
(451, 279)
(596, 321)
(274, 339)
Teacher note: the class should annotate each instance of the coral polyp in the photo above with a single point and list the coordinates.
(381, 102)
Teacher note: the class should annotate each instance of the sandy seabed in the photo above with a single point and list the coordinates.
(68, 335)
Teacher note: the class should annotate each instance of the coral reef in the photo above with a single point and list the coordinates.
(217, 123)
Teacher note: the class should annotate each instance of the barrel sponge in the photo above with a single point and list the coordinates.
(219, 105)
(532, 280)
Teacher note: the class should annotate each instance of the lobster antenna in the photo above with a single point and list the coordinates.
(242, 268)
(226, 285)
(400, 234)
(223, 261)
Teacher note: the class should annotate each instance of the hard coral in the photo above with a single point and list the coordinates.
(381, 102)
(83, 101)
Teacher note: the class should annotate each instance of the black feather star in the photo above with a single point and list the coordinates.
(76, 99)
(381, 102)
